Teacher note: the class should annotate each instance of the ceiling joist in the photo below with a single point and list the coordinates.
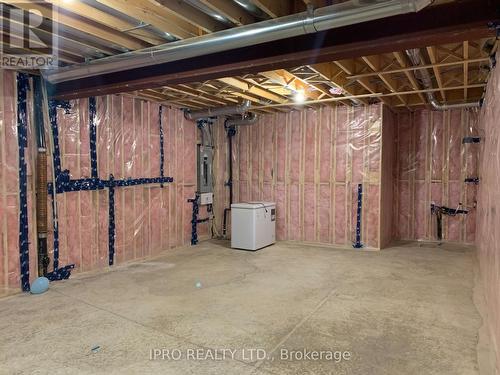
(351, 70)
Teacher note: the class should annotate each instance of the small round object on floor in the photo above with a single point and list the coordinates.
(40, 285)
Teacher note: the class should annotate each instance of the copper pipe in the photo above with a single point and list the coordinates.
(41, 178)
(41, 192)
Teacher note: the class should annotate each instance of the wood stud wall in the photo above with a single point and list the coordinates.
(488, 235)
(149, 218)
(431, 166)
(310, 162)
(9, 187)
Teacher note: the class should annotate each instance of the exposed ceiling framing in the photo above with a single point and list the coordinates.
(91, 29)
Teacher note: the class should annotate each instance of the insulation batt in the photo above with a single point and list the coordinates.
(148, 218)
(310, 162)
(488, 212)
(9, 187)
(430, 166)
(128, 142)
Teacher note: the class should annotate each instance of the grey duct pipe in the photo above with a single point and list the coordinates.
(311, 21)
(416, 58)
(217, 111)
(207, 10)
(250, 119)
(252, 9)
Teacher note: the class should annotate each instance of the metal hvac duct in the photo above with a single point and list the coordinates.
(250, 119)
(416, 59)
(311, 21)
(251, 8)
(218, 111)
(207, 10)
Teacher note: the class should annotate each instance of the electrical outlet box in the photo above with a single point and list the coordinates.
(206, 198)
(204, 170)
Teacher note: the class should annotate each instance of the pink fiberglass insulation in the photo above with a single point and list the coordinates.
(488, 213)
(310, 162)
(9, 187)
(148, 218)
(431, 165)
(387, 181)
(220, 177)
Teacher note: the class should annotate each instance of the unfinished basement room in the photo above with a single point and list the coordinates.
(260, 187)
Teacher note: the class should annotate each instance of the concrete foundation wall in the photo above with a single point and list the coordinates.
(488, 224)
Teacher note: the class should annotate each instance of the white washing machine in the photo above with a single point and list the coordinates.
(253, 225)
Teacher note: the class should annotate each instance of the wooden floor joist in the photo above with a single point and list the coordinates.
(347, 64)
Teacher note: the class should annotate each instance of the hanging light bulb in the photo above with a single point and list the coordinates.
(299, 96)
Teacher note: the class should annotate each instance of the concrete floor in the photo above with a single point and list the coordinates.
(405, 310)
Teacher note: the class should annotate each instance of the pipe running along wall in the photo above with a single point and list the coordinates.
(217, 111)
(41, 179)
(417, 59)
(311, 21)
(430, 168)
(249, 119)
(230, 126)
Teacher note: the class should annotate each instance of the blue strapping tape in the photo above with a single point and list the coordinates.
(93, 137)
(358, 244)
(22, 138)
(194, 219)
(111, 221)
(64, 183)
(162, 151)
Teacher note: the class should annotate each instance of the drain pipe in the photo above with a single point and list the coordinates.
(231, 132)
(41, 179)
(417, 59)
(230, 126)
(217, 111)
(308, 22)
